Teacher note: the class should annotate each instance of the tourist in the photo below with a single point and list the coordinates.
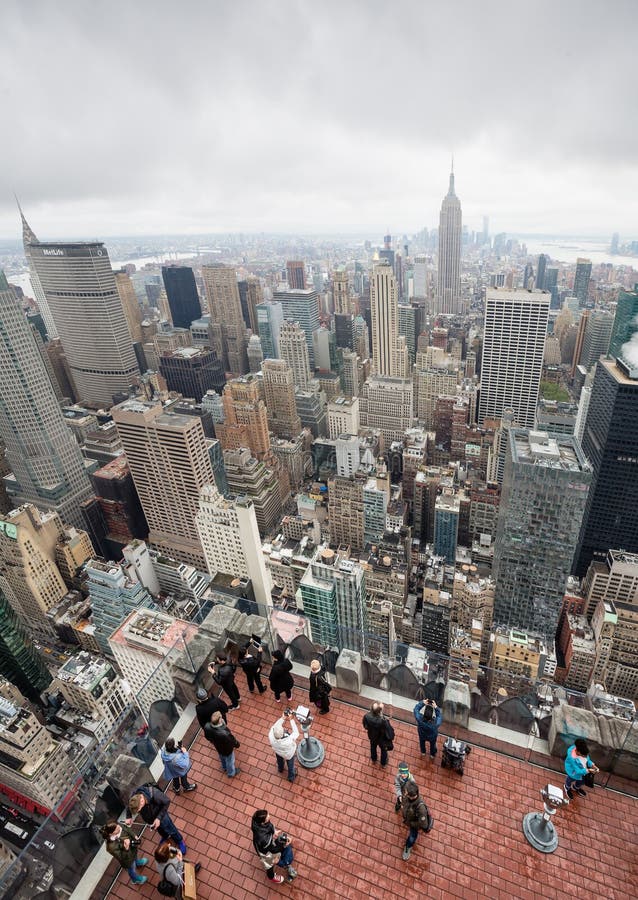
(380, 732)
(207, 705)
(273, 847)
(251, 664)
(224, 741)
(320, 688)
(401, 781)
(169, 861)
(577, 765)
(122, 843)
(177, 765)
(283, 739)
(428, 718)
(280, 679)
(152, 806)
(415, 815)
(223, 673)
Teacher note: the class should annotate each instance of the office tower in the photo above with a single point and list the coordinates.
(446, 526)
(420, 278)
(141, 644)
(408, 328)
(334, 600)
(348, 455)
(540, 271)
(230, 539)
(551, 286)
(20, 662)
(212, 403)
(542, 503)
(361, 337)
(625, 322)
(245, 417)
(596, 337)
(430, 383)
(323, 342)
(344, 331)
(191, 372)
(296, 274)
(345, 512)
(46, 461)
(343, 416)
(255, 354)
(341, 293)
(250, 477)
(472, 600)
(114, 592)
(610, 443)
(28, 542)
(28, 241)
(119, 502)
(517, 661)
(222, 293)
(581, 281)
(528, 276)
(181, 291)
(169, 462)
(513, 344)
(130, 304)
(73, 549)
(449, 265)
(91, 684)
(301, 306)
(270, 317)
(386, 404)
(351, 375)
(293, 349)
(250, 295)
(376, 491)
(279, 390)
(580, 340)
(389, 351)
(61, 371)
(84, 301)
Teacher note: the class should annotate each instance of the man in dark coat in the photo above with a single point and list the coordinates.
(319, 691)
(251, 664)
(280, 678)
(415, 815)
(207, 705)
(152, 806)
(380, 732)
(223, 673)
(224, 741)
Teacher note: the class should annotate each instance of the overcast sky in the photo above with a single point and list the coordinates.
(153, 117)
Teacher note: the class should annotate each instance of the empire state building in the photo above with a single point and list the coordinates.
(449, 275)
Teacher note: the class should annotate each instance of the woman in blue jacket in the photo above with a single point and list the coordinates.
(428, 719)
(577, 764)
(177, 765)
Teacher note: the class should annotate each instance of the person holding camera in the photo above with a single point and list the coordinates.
(169, 862)
(274, 848)
(152, 806)
(223, 673)
(224, 741)
(281, 681)
(320, 688)
(250, 662)
(428, 718)
(177, 765)
(380, 733)
(578, 765)
(122, 844)
(283, 739)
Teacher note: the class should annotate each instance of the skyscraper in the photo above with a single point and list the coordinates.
(245, 417)
(449, 268)
(170, 464)
(222, 293)
(250, 295)
(596, 337)
(279, 389)
(581, 281)
(341, 293)
(542, 503)
(20, 662)
(45, 459)
(293, 349)
(29, 239)
(192, 372)
(230, 538)
(513, 345)
(334, 598)
(130, 304)
(540, 272)
(301, 306)
(625, 321)
(270, 317)
(80, 288)
(181, 291)
(296, 273)
(610, 443)
(389, 351)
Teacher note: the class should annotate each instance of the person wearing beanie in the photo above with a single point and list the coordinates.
(416, 816)
(401, 781)
(280, 678)
(207, 704)
(283, 739)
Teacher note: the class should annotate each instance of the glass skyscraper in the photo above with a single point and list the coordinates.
(20, 662)
(625, 321)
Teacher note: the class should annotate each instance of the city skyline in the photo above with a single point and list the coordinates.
(568, 176)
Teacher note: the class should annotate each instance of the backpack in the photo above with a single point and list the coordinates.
(167, 888)
(426, 822)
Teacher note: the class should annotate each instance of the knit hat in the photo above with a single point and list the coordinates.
(404, 770)
(202, 694)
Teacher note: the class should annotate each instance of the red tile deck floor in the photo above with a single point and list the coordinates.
(348, 840)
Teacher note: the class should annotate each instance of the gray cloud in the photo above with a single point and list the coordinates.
(204, 116)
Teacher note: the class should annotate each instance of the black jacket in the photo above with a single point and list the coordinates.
(225, 674)
(280, 678)
(221, 738)
(263, 837)
(156, 805)
(376, 728)
(250, 663)
(415, 812)
(206, 708)
(319, 685)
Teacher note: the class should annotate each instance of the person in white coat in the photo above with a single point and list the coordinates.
(283, 738)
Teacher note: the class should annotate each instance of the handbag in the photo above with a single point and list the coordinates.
(588, 780)
(167, 888)
(389, 736)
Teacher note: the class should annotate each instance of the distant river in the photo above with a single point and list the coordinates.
(568, 250)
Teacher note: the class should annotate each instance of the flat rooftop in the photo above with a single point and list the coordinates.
(347, 839)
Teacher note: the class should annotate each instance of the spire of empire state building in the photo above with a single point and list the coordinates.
(449, 267)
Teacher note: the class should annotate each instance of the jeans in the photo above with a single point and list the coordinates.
(572, 782)
(228, 764)
(285, 860)
(167, 830)
(373, 752)
(134, 875)
(180, 781)
(291, 766)
(233, 693)
(428, 740)
(411, 838)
